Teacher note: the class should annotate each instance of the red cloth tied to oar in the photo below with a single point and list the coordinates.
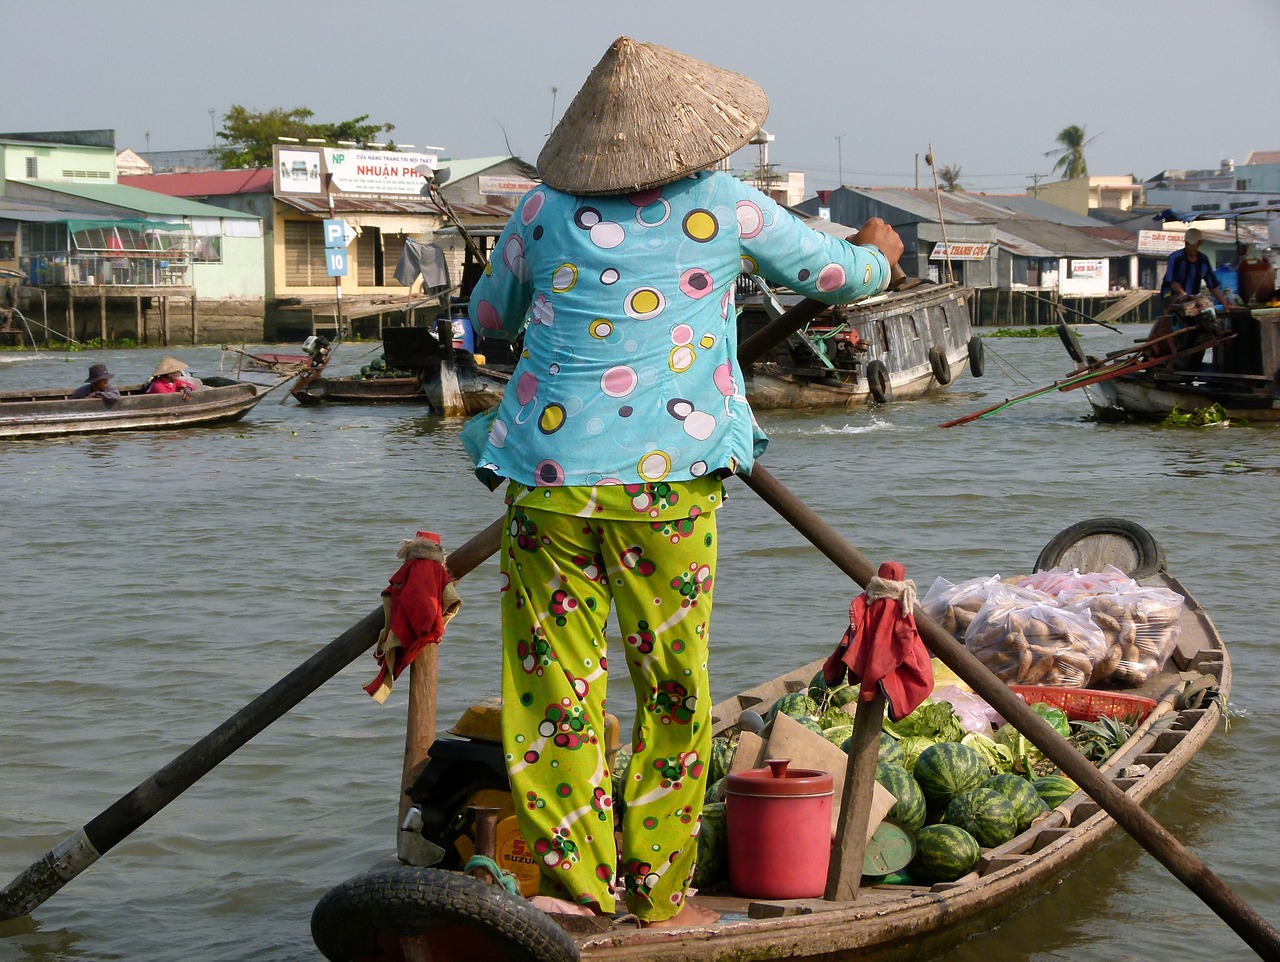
(418, 602)
(882, 649)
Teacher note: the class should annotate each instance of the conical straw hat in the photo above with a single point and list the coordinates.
(169, 365)
(648, 115)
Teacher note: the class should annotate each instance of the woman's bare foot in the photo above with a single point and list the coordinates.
(554, 906)
(691, 914)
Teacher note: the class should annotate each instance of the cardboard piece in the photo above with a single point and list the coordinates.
(807, 749)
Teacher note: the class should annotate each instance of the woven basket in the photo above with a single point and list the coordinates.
(1087, 704)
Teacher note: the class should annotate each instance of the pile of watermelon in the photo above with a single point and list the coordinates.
(957, 792)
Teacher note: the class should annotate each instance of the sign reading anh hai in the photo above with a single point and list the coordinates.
(959, 252)
(357, 171)
(1091, 268)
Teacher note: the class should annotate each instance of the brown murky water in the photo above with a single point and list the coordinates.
(153, 584)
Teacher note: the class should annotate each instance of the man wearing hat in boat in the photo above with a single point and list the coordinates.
(622, 418)
(97, 384)
(1187, 269)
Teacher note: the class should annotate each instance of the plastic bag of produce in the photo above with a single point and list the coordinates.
(954, 605)
(972, 710)
(1140, 627)
(1060, 584)
(1027, 640)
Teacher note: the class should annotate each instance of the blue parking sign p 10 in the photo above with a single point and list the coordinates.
(336, 262)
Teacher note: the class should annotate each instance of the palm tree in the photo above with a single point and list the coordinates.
(950, 177)
(1070, 152)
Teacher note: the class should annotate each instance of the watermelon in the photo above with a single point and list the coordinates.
(839, 697)
(890, 750)
(943, 854)
(715, 791)
(838, 735)
(721, 758)
(1027, 804)
(797, 705)
(713, 847)
(809, 722)
(985, 814)
(946, 769)
(909, 810)
(1054, 789)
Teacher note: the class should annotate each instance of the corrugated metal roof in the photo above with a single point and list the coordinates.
(142, 201)
(205, 183)
(460, 168)
(408, 205)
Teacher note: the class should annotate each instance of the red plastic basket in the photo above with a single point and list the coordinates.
(1087, 704)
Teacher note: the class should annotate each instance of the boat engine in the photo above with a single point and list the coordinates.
(462, 799)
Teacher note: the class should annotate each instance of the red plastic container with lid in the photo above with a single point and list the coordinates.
(779, 825)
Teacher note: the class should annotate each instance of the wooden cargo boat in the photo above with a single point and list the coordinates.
(894, 346)
(445, 380)
(28, 414)
(400, 909)
(1240, 371)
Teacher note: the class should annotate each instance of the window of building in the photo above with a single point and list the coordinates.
(8, 249)
(208, 250)
(304, 261)
(32, 169)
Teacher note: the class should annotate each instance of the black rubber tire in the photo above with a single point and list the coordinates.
(940, 364)
(878, 382)
(977, 356)
(1071, 341)
(408, 901)
(1088, 545)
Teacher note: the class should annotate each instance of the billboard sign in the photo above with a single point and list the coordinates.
(357, 171)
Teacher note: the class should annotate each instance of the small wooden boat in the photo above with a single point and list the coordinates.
(895, 346)
(400, 907)
(444, 380)
(28, 414)
(1237, 368)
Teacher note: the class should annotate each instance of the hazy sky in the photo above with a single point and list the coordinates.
(857, 90)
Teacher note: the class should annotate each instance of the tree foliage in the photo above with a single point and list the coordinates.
(1070, 152)
(248, 135)
(950, 177)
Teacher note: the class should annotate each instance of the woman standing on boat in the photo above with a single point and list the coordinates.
(624, 415)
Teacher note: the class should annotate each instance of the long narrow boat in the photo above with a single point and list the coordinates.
(395, 908)
(1240, 373)
(29, 414)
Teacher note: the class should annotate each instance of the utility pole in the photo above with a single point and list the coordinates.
(1035, 184)
(553, 112)
(839, 162)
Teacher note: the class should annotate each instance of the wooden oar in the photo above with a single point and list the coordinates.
(77, 852)
(1145, 830)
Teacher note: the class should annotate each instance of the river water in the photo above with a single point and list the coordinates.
(155, 583)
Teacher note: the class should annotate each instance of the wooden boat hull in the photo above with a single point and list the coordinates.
(53, 413)
(900, 922)
(1149, 397)
(904, 333)
(1242, 375)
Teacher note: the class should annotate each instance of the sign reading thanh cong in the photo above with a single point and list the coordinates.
(356, 171)
(960, 252)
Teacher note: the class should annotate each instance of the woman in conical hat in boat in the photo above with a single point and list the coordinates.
(167, 379)
(624, 415)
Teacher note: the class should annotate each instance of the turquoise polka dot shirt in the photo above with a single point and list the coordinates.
(629, 371)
